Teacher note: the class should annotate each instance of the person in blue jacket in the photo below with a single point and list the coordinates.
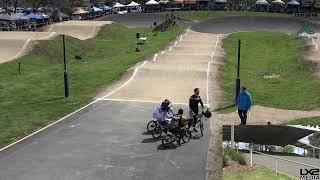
(244, 103)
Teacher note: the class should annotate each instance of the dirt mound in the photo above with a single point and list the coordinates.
(78, 29)
(19, 35)
(12, 49)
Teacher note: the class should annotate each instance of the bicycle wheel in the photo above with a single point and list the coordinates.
(151, 125)
(201, 128)
(167, 140)
(186, 135)
(156, 133)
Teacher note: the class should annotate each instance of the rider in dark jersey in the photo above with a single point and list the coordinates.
(194, 101)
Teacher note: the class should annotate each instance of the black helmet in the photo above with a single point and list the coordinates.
(165, 104)
(207, 113)
(180, 111)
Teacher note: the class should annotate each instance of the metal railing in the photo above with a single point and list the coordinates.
(277, 159)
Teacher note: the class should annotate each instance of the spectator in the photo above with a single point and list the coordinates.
(244, 103)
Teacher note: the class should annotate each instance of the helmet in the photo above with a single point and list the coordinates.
(165, 105)
(180, 111)
(207, 113)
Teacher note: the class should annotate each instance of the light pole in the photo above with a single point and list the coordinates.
(65, 74)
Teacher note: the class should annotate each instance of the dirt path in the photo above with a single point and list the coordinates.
(259, 115)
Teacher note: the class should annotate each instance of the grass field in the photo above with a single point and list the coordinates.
(35, 98)
(206, 15)
(314, 121)
(274, 71)
(255, 174)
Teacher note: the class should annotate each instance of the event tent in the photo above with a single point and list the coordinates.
(133, 4)
(6, 17)
(294, 3)
(220, 1)
(152, 2)
(262, 2)
(62, 15)
(80, 11)
(106, 7)
(95, 9)
(34, 16)
(185, 1)
(164, 1)
(118, 5)
(278, 2)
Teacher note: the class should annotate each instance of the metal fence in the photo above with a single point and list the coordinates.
(287, 166)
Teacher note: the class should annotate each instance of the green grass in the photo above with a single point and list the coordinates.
(256, 174)
(234, 155)
(34, 99)
(206, 15)
(306, 121)
(267, 53)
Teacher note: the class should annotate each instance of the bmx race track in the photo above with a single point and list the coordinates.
(107, 138)
(14, 44)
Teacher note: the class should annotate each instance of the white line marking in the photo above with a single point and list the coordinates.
(207, 87)
(180, 38)
(142, 101)
(208, 69)
(162, 52)
(93, 30)
(123, 85)
(312, 41)
(155, 57)
(174, 164)
(50, 28)
(52, 34)
(170, 49)
(22, 49)
(175, 43)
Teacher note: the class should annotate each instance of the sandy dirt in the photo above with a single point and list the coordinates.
(15, 44)
(260, 115)
(173, 75)
(78, 29)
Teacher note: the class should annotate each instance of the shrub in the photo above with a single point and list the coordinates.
(235, 156)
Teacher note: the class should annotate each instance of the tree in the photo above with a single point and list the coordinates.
(315, 139)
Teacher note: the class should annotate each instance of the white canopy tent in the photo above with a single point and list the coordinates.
(220, 1)
(152, 2)
(262, 2)
(278, 2)
(118, 5)
(133, 4)
(294, 3)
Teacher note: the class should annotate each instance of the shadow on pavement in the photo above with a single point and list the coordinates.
(150, 140)
(162, 147)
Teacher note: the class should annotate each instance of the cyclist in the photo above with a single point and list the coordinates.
(162, 112)
(194, 101)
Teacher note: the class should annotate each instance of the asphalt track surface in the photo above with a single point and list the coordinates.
(107, 139)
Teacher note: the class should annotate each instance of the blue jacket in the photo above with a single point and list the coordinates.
(244, 101)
